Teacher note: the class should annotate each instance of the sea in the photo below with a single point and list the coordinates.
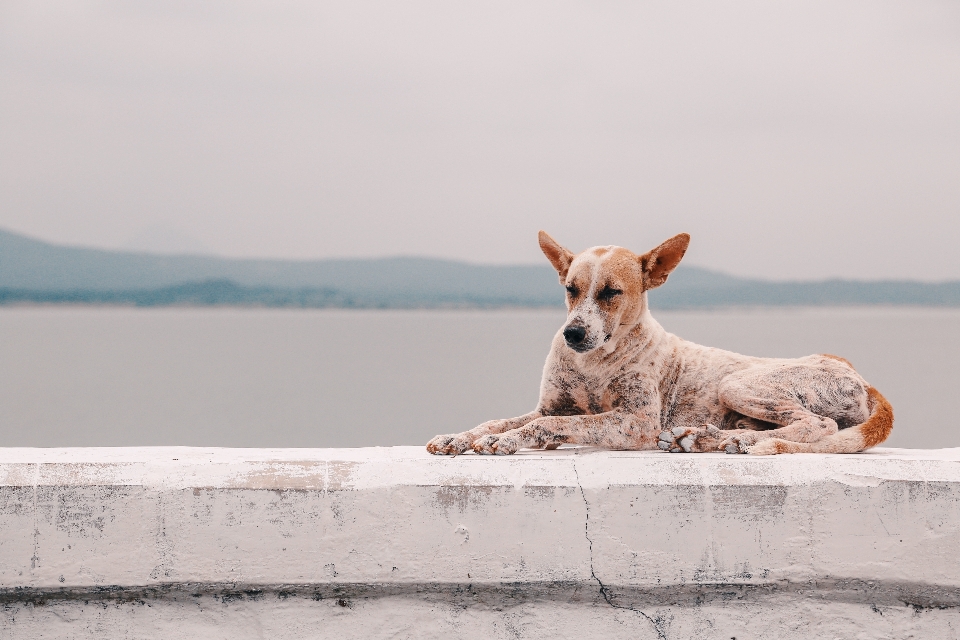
(239, 377)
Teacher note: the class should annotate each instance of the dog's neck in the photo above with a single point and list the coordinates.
(646, 333)
(640, 326)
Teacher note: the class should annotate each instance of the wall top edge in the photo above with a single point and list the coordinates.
(173, 468)
(226, 455)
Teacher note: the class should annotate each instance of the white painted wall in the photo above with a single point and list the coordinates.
(391, 542)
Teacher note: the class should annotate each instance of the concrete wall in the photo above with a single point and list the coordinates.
(394, 543)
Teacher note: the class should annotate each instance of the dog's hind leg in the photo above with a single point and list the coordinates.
(807, 400)
(771, 403)
(806, 429)
(802, 425)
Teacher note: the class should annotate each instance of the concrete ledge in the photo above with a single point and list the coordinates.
(392, 542)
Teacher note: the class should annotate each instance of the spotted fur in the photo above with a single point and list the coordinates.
(616, 379)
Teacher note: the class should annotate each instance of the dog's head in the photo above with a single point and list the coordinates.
(606, 286)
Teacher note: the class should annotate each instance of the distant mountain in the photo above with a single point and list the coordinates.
(32, 271)
(28, 265)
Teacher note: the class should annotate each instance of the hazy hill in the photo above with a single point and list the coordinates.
(35, 271)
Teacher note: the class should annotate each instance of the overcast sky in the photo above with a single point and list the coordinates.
(791, 139)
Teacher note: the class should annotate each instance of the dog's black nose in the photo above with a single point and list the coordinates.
(574, 335)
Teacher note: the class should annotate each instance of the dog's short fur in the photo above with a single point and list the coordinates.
(616, 379)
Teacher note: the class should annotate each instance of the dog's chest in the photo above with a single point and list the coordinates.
(578, 401)
(570, 390)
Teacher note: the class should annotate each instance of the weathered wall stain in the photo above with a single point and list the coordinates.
(463, 497)
(761, 502)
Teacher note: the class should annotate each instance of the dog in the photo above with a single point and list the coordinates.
(616, 379)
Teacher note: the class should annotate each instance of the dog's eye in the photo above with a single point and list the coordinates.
(608, 293)
(572, 290)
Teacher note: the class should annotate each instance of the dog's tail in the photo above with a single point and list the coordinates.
(850, 440)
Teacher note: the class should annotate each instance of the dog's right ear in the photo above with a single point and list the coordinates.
(559, 257)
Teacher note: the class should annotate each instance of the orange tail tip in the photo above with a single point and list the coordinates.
(878, 426)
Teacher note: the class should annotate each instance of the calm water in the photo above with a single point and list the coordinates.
(292, 378)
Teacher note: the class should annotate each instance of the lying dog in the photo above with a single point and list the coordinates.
(616, 379)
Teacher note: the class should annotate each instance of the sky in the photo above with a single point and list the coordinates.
(792, 140)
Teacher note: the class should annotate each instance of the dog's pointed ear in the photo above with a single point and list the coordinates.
(658, 263)
(559, 257)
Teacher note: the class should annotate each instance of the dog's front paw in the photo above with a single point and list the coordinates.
(499, 444)
(739, 443)
(450, 444)
(686, 439)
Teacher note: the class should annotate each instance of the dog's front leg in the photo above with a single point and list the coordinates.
(454, 443)
(610, 430)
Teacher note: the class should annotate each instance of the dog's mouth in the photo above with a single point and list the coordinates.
(580, 348)
(587, 345)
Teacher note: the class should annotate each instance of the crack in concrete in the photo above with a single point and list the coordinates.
(604, 592)
(35, 560)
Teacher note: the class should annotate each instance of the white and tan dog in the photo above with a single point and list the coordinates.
(616, 379)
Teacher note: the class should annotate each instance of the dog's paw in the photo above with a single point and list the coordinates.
(450, 444)
(499, 444)
(773, 446)
(739, 443)
(684, 439)
(677, 440)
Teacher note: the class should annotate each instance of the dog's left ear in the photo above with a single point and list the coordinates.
(658, 263)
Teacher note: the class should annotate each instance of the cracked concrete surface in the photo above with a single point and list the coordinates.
(393, 542)
(604, 593)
